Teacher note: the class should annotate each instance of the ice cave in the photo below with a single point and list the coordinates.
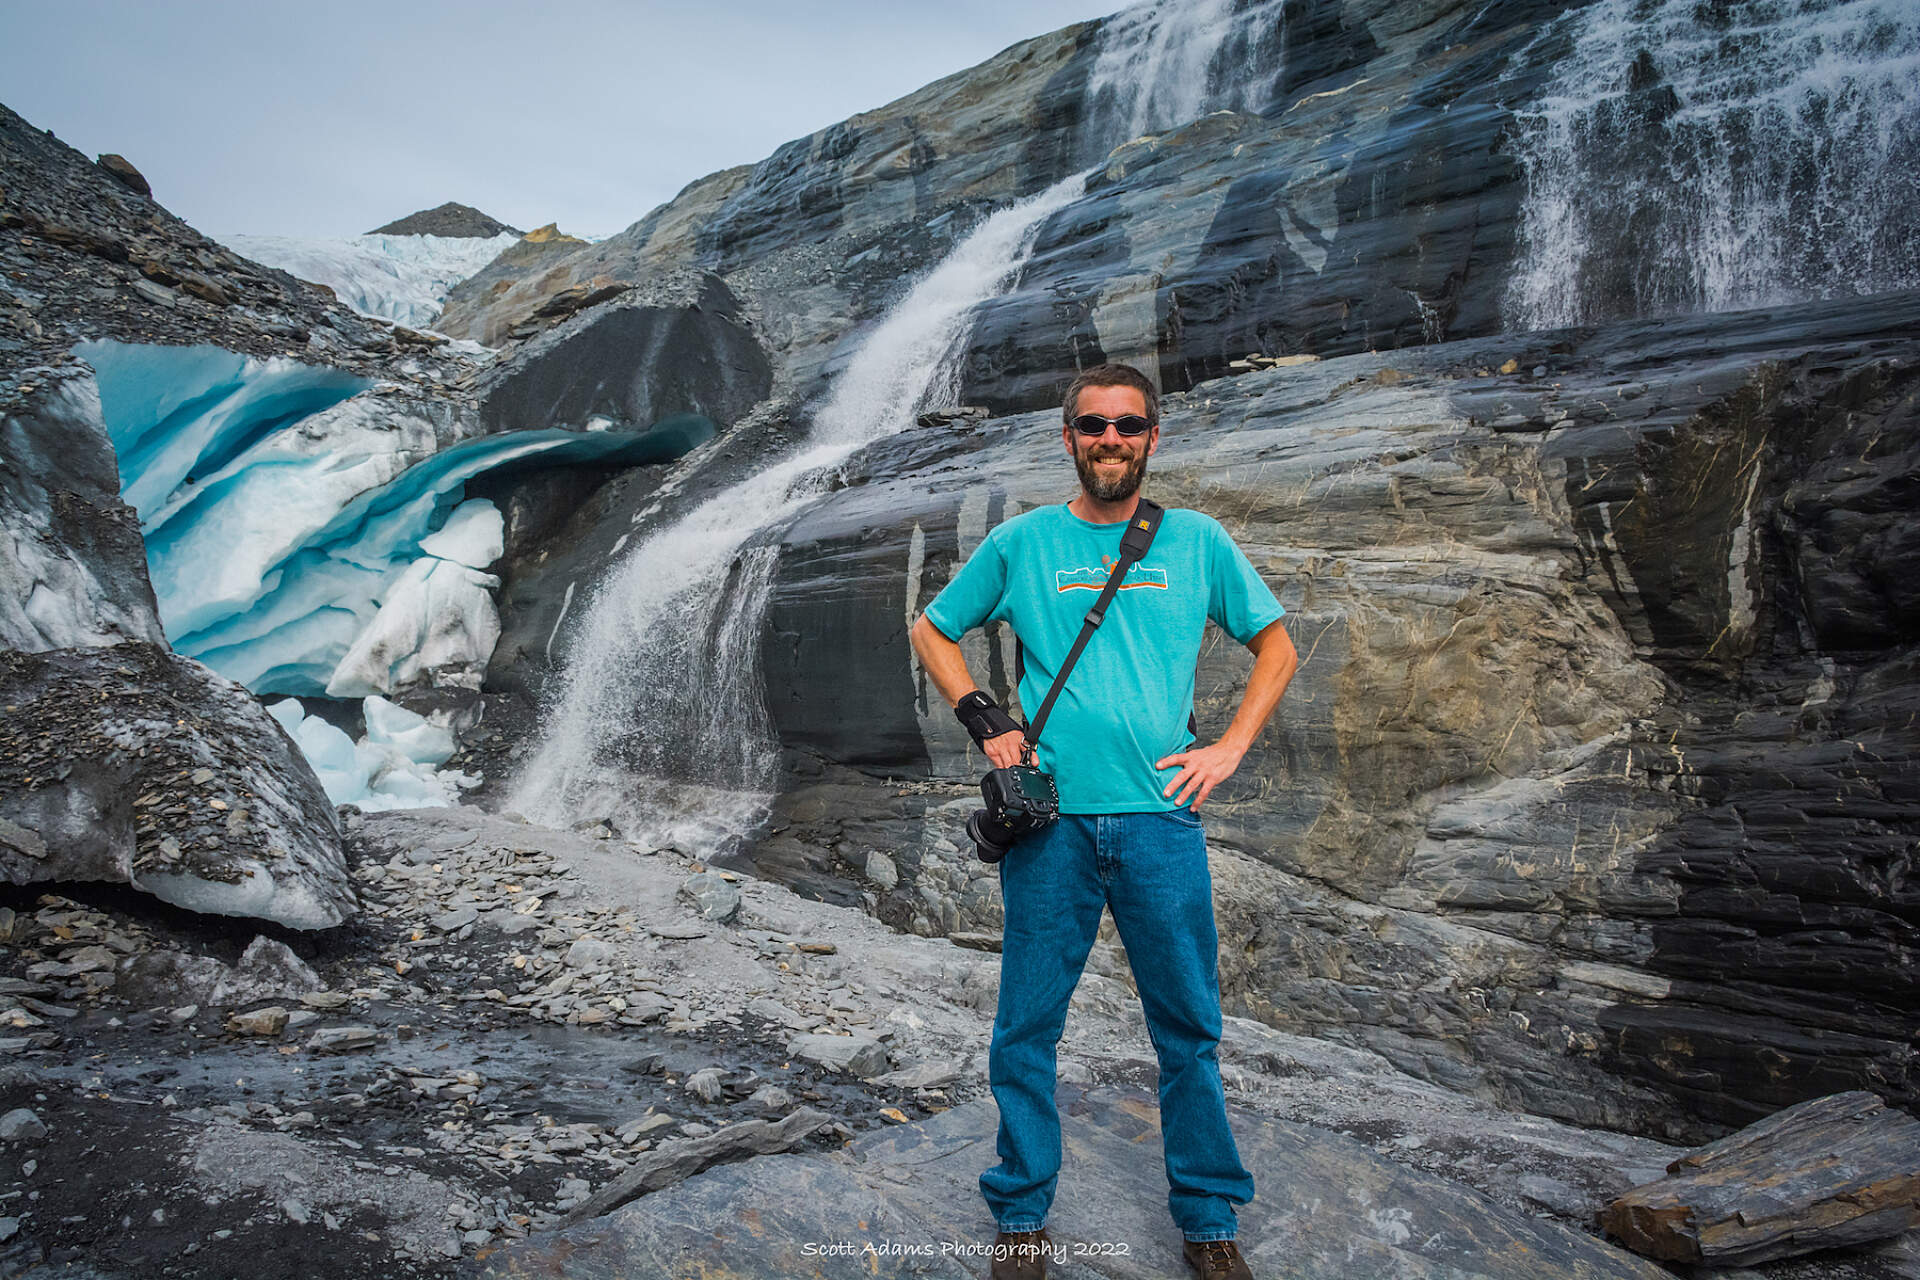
(309, 536)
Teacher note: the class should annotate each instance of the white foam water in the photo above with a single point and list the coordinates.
(1163, 64)
(660, 722)
(1687, 157)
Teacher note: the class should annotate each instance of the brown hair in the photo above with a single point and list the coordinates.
(1111, 375)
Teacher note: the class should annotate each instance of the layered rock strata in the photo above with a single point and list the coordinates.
(1593, 793)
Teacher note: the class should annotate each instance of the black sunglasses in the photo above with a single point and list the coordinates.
(1092, 424)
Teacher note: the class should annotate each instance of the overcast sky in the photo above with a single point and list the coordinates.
(331, 117)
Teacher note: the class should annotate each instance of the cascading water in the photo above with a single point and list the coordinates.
(1688, 156)
(1163, 64)
(660, 721)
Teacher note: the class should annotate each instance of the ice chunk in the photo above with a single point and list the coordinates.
(438, 615)
(391, 768)
(474, 535)
(408, 732)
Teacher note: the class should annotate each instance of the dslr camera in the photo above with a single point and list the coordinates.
(1019, 798)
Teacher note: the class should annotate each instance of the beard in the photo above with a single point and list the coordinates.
(1110, 488)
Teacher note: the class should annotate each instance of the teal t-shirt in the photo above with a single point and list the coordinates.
(1126, 702)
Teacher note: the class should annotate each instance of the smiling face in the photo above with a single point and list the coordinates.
(1111, 465)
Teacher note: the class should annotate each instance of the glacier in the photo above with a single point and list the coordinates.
(405, 279)
(308, 533)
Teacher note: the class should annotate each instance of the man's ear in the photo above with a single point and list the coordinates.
(1153, 439)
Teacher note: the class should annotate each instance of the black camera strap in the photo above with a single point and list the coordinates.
(1134, 544)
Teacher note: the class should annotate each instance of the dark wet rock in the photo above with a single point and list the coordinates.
(98, 748)
(449, 219)
(678, 349)
(713, 895)
(1836, 1171)
(1325, 1208)
(1652, 891)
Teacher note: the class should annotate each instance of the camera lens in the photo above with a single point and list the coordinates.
(991, 839)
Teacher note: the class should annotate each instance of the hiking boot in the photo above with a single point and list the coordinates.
(1216, 1260)
(1021, 1255)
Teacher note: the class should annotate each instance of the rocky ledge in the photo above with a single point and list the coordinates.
(523, 1019)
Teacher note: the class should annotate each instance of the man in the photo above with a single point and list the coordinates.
(1131, 782)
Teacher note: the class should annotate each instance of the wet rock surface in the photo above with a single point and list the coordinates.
(496, 1087)
(1651, 892)
(1357, 192)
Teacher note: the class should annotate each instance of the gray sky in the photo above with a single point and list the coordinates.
(331, 117)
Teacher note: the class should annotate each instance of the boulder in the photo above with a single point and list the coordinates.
(100, 750)
(680, 347)
(713, 895)
(1831, 1172)
(122, 171)
(861, 1056)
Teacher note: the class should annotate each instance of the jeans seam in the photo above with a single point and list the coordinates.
(1205, 1236)
(1011, 1229)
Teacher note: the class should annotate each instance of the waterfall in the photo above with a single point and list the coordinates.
(1163, 64)
(660, 720)
(1688, 156)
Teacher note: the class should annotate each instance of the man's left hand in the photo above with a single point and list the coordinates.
(1201, 770)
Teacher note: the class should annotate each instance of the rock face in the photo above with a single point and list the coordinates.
(75, 572)
(449, 219)
(678, 348)
(907, 1203)
(525, 260)
(1353, 193)
(1571, 606)
(131, 764)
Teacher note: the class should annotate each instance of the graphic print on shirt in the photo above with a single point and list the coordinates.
(1092, 579)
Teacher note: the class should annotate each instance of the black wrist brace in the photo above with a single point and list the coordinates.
(984, 717)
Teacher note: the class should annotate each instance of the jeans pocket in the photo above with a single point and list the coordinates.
(1183, 817)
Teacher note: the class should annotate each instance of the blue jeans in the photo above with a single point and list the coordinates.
(1151, 869)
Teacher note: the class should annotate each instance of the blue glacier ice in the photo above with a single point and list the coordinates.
(395, 766)
(294, 517)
